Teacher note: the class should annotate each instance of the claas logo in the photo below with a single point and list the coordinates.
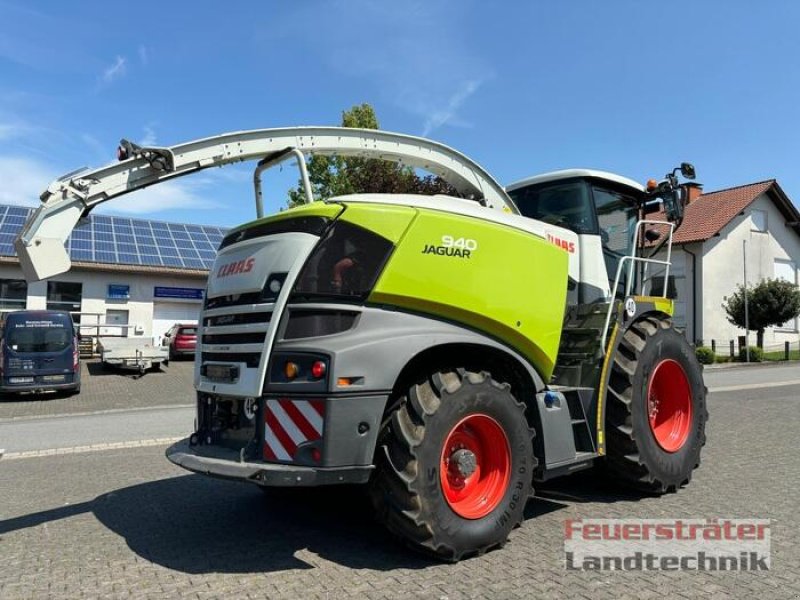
(236, 267)
(565, 244)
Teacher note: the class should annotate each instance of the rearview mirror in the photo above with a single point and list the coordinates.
(687, 170)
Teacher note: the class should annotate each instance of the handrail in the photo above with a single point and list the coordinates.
(633, 260)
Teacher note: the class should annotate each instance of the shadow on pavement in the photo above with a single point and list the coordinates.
(590, 485)
(99, 369)
(197, 524)
(31, 397)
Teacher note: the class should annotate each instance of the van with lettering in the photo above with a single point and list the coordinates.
(39, 352)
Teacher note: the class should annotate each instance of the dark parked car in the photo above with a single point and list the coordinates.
(181, 339)
(39, 352)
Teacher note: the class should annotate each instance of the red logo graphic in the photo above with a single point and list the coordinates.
(234, 268)
(565, 244)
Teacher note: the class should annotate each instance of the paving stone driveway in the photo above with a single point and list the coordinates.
(127, 524)
(108, 389)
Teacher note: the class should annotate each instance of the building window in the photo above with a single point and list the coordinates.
(759, 220)
(13, 294)
(65, 295)
(657, 287)
(786, 270)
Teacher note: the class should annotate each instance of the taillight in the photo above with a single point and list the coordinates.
(299, 368)
(318, 369)
(76, 355)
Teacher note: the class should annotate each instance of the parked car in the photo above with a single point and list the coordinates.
(181, 340)
(39, 352)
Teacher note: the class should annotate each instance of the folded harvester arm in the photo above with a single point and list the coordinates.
(40, 245)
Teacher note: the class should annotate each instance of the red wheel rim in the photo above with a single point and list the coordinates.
(669, 405)
(476, 466)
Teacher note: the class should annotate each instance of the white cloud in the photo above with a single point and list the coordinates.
(149, 137)
(99, 150)
(170, 195)
(419, 58)
(143, 58)
(13, 127)
(115, 71)
(23, 179)
(447, 115)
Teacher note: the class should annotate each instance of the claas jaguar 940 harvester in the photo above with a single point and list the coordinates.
(444, 351)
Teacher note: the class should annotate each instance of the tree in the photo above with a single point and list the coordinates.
(771, 302)
(336, 175)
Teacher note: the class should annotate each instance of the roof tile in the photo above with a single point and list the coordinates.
(708, 214)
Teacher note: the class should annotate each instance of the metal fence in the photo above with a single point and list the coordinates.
(732, 350)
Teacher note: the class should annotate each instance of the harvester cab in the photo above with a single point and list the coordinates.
(444, 351)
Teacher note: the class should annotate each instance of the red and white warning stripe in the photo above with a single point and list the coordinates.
(289, 423)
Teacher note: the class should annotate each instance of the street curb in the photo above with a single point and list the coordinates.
(90, 448)
(93, 412)
(738, 365)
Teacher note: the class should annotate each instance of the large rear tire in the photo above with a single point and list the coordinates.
(454, 465)
(656, 408)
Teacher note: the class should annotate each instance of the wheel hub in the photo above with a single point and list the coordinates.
(669, 405)
(475, 466)
(463, 462)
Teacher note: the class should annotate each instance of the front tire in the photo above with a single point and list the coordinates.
(656, 411)
(454, 465)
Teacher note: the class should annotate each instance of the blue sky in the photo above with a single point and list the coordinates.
(522, 87)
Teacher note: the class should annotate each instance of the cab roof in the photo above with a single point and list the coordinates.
(573, 173)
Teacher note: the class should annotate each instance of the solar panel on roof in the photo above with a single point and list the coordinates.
(128, 258)
(125, 240)
(172, 261)
(194, 263)
(109, 257)
(150, 259)
(81, 255)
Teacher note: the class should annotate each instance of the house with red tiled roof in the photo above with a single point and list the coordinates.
(753, 228)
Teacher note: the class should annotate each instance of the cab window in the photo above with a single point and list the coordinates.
(616, 216)
(564, 204)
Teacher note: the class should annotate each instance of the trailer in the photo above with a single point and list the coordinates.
(131, 353)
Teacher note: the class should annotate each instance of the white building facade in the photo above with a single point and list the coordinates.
(752, 228)
(108, 301)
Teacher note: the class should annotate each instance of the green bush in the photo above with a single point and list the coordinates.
(756, 354)
(722, 359)
(705, 355)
